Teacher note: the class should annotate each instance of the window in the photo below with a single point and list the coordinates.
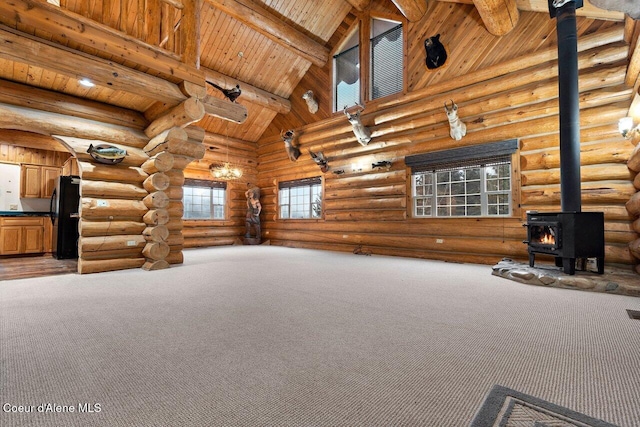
(204, 199)
(470, 181)
(346, 70)
(300, 199)
(386, 58)
(383, 73)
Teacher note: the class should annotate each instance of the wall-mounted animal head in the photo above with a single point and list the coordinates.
(292, 151)
(320, 160)
(436, 53)
(312, 103)
(362, 133)
(457, 129)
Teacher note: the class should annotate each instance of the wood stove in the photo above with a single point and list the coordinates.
(567, 236)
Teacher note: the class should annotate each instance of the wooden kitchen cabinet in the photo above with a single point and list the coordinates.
(38, 181)
(21, 235)
(30, 181)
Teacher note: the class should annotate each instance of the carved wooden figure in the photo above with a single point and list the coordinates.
(362, 133)
(457, 128)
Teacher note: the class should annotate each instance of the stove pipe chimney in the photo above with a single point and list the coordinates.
(568, 97)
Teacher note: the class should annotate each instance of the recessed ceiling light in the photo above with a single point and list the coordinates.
(86, 82)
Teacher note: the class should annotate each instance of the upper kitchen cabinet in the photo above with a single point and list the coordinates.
(38, 181)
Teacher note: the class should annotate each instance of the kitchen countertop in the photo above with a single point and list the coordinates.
(21, 213)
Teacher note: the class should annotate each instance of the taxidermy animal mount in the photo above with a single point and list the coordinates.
(436, 53)
(320, 160)
(312, 103)
(457, 129)
(231, 94)
(362, 133)
(292, 151)
(630, 7)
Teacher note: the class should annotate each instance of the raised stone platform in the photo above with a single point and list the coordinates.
(613, 281)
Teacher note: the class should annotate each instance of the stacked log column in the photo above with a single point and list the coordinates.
(633, 205)
(170, 150)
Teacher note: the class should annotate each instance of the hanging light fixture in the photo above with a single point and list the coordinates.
(225, 171)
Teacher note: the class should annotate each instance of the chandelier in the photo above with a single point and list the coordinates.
(225, 171)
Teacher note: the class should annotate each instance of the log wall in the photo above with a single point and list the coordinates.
(199, 233)
(506, 89)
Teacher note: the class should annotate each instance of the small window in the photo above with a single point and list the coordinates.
(300, 199)
(346, 74)
(204, 199)
(386, 58)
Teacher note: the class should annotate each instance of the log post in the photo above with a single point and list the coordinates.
(187, 112)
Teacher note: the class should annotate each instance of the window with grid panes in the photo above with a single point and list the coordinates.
(300, 199)
(464, 182)
(204, 199)
(479, 190)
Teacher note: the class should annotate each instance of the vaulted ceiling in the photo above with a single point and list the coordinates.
(265, 46)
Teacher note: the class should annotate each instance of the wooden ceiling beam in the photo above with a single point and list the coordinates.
(499, 16)
(31, 140)
(271, 26)
(360, 5)
(250, 93)
(413, 10)
(225, 109)
(71, 26)
(24, 48)
(55, 102)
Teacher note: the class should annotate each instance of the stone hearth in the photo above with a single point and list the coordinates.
(613, 281)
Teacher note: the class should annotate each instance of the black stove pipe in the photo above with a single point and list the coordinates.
(569, 103)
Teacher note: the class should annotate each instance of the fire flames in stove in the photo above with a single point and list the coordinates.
(543, 235)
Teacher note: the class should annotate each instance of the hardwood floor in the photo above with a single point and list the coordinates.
(35, 266)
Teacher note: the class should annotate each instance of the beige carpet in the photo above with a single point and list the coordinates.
(272, 336)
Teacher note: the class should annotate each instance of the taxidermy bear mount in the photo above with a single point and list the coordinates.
(436, 53)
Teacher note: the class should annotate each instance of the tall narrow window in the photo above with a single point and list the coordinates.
(346, 70)
(204, 199)
(387, 65)
(300, 199)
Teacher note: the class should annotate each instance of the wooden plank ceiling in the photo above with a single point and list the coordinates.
(231, 51)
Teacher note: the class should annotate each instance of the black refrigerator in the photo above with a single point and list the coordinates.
(64, 207)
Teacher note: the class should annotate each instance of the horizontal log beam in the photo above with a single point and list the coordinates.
(99, 266)
(80, 147)
(273, 27)
(70, 26)
(24, 48)
(55, 102)
(250, 93)
(46, 123)
(499, 16)
(225, 110)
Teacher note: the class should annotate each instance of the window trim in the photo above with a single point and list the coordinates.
(302, 182)
(457, 157)
(203, 183)
(363, 25)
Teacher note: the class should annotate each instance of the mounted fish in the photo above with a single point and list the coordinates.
(107, 154)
